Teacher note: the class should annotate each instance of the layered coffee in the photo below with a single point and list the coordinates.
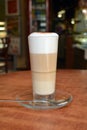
(43, 72)
(43, 57)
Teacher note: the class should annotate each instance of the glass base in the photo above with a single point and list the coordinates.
(62, 99)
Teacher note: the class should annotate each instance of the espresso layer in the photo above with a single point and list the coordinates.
(43, 62)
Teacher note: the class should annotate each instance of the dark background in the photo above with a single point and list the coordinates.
(68, 5)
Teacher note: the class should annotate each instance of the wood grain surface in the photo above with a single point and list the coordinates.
(72, 117)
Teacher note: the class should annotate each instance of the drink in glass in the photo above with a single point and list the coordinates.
(43, 48)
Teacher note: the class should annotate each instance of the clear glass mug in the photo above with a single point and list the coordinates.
(43, 48)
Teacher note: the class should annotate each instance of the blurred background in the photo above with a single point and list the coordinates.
(19, 18)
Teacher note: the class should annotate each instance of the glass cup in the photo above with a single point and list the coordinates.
(43, 48)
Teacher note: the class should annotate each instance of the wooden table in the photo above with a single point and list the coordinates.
(72, 117)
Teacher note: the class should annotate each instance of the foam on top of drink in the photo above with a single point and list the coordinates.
(45, 42)
(37, 34)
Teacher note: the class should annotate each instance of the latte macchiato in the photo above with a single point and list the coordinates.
(43, 57)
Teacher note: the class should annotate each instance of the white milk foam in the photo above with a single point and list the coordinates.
(37, 40)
